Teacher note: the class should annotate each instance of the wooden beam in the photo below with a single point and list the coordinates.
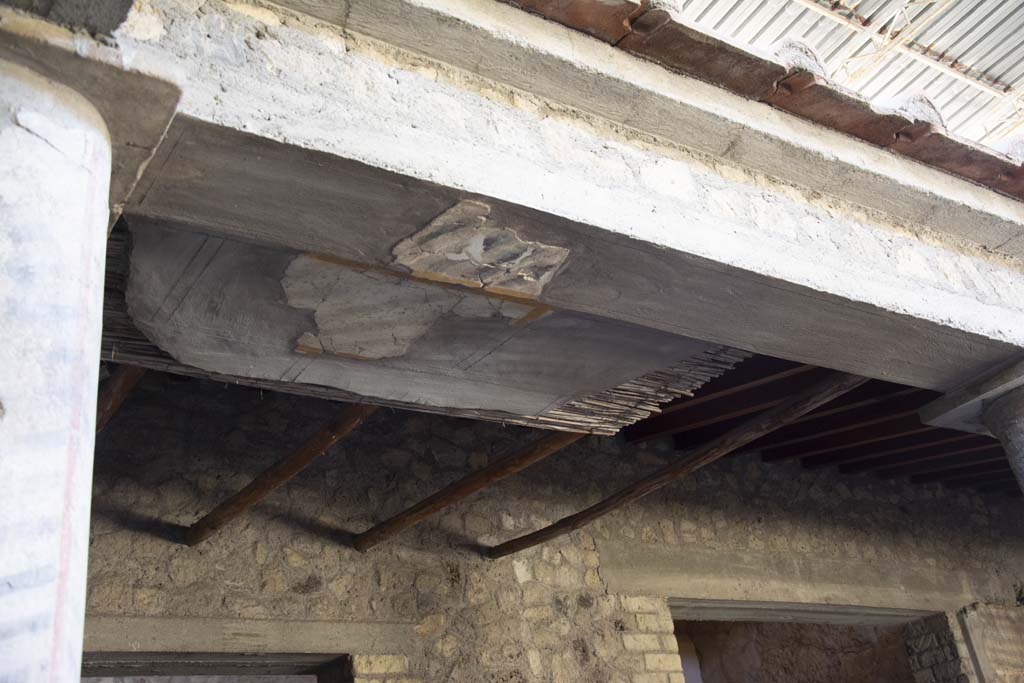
(861, 436)
(875, 460)
(814, 427)
(963, 472)
(831, 387)
(466, 486)
(991, 478)
(928, 462)
(1000, 487)
(848, 458)
(725, 402)
(843, 410)
(952, 470)
(114, 391)
(278, 474)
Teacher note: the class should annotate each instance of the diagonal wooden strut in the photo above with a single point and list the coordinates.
(835, 385)
(466, 486)
(279, 473)
(114, 391)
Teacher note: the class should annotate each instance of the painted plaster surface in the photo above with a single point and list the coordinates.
(266, 74)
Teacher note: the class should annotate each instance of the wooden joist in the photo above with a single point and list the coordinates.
(867, 435)
(466, 486)
(902, 405)
(349, 419)
(931, 462)
(114, 391)
(835, 385)
(720, 400)
(999, 477)
(859, 459)
(882, 461)
(963, 471)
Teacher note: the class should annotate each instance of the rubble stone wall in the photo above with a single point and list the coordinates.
(177, 448)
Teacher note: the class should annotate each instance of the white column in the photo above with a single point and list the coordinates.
(54, 180)
(1005, 419)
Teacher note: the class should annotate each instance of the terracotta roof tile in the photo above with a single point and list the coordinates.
(607, 20)
(683, 49)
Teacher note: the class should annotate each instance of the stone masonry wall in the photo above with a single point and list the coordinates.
(179, 447)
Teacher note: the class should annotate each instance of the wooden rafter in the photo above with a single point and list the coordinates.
(918, 455)
(114, 391)
(278, 474)
(962, 472)
(466, 486)
(931, 462)
(848, 458)
(866, 403)
(833, 386)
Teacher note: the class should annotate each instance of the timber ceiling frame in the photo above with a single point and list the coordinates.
(875, 429)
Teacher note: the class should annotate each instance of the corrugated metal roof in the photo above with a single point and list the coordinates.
(966, 56)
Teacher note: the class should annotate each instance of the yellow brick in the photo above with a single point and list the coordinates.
(649, 678)
(641, 642)
(662, 662)
(643, 604)
(654, 623)
(380, 664)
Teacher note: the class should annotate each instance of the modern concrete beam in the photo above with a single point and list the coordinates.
(136, 106)
(1005, 419)
(218, 181)
(964, 408)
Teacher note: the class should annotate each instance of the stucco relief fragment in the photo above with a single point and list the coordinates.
(463, 246)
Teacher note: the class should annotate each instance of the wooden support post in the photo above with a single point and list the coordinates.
(466, 486)
(835, 385)
(278, 474)
(114, 391)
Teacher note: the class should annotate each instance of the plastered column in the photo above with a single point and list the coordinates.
(1005, 419)
(54, 180)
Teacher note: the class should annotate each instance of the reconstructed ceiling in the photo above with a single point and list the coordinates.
(454, 325)
(875, 429)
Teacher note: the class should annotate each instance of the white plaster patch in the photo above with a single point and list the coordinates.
(372, 315)
(143, 23)
(461, 246)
